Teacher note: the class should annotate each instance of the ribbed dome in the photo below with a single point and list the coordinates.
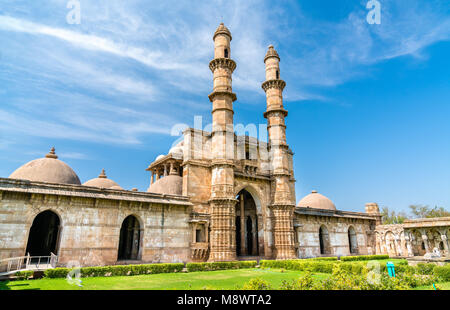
(103, 182)
(271, 52)
(316, 201)
(222, 29)
(171, 184)
(48, 169)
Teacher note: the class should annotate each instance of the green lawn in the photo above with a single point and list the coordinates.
(220, 280)
(442, 286)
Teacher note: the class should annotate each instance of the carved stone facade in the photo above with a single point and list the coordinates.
(417, 237)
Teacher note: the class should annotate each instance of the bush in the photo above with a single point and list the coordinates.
(220, 265)
(24, 275)
(442, 272)
(117, 270)
(363, 257)
(424, 268)
(257, 284)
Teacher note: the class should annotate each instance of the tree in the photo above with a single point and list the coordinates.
(420, 211)
(392, 217)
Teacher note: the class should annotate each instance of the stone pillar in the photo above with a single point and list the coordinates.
(243, 226)
(165, 169)
(425, 241)
(255, 236)
(194, 233)
(152, 177)
(398, 246)
(445, 242)
(409, 246)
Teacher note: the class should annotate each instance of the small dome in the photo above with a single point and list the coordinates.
(316, 201)
(222, 29)
(171, 184)
(48, 169)
(271, 52)
(103, 182)
(159, 157)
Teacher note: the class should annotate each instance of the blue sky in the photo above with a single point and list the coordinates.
(369, 105)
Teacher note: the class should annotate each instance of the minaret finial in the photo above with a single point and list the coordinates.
(102, 174)
(51, 154)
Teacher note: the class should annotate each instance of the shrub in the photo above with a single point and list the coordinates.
(24, 275)
(117, 270)
(424, 268)
(220, 265)
(257, 284)
(442, 272)
(364, 257)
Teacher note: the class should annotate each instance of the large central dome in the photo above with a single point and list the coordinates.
(48, 169)
(316, 201)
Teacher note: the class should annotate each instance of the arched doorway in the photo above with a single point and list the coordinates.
(247, 243)
(324, 240)
(129, 242)
(352, 241)
(43, 236)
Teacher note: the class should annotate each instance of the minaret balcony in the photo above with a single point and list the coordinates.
(279, 84)
(225, 63)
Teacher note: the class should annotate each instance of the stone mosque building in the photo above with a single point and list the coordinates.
(215, 196)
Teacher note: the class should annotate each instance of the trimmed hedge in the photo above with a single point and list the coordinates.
(117, 270)
(220, 265)
(363, 257)
(442, 272)
(300, 264)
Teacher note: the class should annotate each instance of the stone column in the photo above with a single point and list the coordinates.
(152, 177)
(255, 236)
(194, 233)
(165, 169)
(444, 240)
(408, 246)
(425, 241)
(243, 226)
(398, 246)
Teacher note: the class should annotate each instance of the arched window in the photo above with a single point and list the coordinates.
(352, 241)
(129, 242)
(44, 233)
(225, 52)
(278, 74)
(324, 240)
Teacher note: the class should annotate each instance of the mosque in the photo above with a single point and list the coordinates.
(215, 196)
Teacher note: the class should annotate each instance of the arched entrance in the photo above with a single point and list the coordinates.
(43, 236)
(247, 243)
(352, 242)
(324, 240)
(129, 242)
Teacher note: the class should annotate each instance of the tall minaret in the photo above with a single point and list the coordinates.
(283, 199)
(222, 200)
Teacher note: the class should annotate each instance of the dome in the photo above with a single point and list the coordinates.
(222, 29)
(271, 52)
(316, 201)
(48, 169)
(103, 182)
(171, 184)
(159, 157)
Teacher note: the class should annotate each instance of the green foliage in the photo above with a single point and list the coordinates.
(24, 275)
(257, 284)
(424, 268)
(220, 265)
(364, 257)
(442, 272)
(391, 217)
(420, 211)
(117, 270)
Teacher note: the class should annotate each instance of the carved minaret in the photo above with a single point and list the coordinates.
(283, 200)
(222, 201)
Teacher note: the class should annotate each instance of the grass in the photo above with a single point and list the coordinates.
(219, 280)
(442, 286)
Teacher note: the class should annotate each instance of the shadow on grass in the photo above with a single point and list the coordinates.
(4, 286)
